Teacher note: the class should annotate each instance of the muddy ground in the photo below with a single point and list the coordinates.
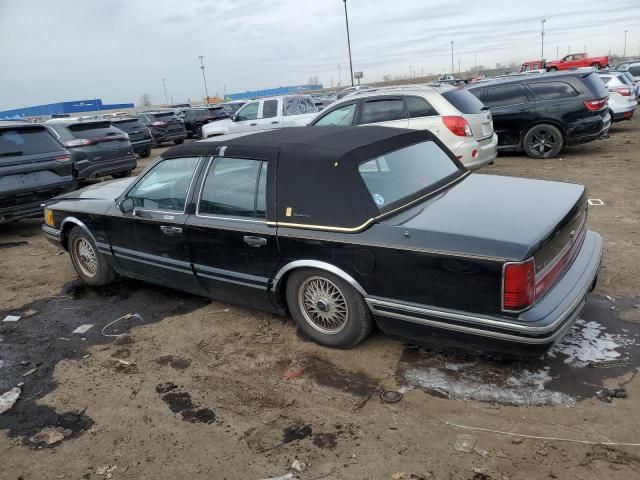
(195, 389)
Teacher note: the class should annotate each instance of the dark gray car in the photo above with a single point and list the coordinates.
(164, 125)
(97, 148)
(34, 167)
(139, 134)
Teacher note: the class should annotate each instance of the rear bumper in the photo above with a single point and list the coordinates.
(30, 205)
(588, 129)
(624, 114)
(532, 332)
(487, 152)
(87, 169)
(141, 146)
(169, 136)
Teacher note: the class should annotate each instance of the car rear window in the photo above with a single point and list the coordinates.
(595, 85)
(464, 101)
(129, 124)
(93, 130)
(552, 90)
(26, 141)
(405, 172)
(635, 70)
(164, 116)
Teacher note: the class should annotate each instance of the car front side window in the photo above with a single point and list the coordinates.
(384, 110)
(339, 116)
(234, 186)
(165, 187)
(248, 112)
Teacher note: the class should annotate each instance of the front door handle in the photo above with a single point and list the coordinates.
(171, 231)
(254, 241)
(275, 123)
(253, 124)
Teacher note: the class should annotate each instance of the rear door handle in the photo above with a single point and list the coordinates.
(253, 124)
(274, 123)
(171, 231)
(254, 241)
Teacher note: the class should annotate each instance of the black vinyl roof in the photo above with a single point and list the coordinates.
(318, 183)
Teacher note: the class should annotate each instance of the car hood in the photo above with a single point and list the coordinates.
(489, 216)
(95, 199)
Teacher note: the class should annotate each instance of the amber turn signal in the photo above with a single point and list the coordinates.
(48, 217)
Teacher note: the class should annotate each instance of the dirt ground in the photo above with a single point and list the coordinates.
(195, 389)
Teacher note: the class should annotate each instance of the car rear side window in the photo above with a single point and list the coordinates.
(27, 141)
(232, 187)
(164, 117)
(339, 116)
(165, 187)
(464, 101)
(270, 108)
(635, 70)
(297, 105)
(505, 95)
(405, 172)
(552, 90)
(419, 107)
(384, 110)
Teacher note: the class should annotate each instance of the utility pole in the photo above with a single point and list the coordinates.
(164, 85)
(475, 63)
(409, 71)
(339, 76)
(346, 19)
(458, 67)
(543, 21)
(624, 52)
(204, 78)
(584, 49)
(557, 52)
(453, 71)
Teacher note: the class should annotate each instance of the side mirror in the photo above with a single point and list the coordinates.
(234, 118)
(126, 205)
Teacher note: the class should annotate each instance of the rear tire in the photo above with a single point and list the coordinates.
(552, 69)
(146, 154)
(178, 142)
(597, 66)
(89, 263)
(543, 141)
(327, 309)
(122, 174)
(199, 131)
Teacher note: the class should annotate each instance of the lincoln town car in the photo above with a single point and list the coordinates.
(345, 229)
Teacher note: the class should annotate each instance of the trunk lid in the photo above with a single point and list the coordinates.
(497, 217)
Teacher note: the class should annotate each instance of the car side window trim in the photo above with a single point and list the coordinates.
(144, 174)
(235, 218)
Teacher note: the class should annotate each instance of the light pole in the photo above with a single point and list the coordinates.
(557, 52)
(624, 52)
(543, 21)
(346, 19)
(339, 76)
(204, 78)
(453, 71)
(458, 67)
(475, 63)
(164, 85)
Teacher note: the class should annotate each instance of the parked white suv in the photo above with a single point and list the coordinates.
(622, 95)
(266, 114)
(454, 115)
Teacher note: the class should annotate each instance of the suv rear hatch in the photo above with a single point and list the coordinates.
(173, 124)
(99, 141)
(132, 127)
(33, 168)
(473, 111)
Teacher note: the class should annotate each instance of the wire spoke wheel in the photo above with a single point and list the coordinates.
(323, 305)
(85, 256)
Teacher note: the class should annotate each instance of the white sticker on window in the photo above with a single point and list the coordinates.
(379, 199)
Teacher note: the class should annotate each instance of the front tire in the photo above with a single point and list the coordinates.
(199, 131)
(327, 309)
(88, 262)
(543, 141)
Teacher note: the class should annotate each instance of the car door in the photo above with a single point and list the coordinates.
(512, 111)
(388, 111)
(159, 252)
(233, 250)
(246, 119)
(422, 115)
(270, 116)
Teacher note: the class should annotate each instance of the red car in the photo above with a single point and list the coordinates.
(575, 60)
(532, 65)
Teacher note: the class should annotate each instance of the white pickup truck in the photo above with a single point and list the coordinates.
(266, 114)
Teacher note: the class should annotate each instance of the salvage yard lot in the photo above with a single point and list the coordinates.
(196, 390)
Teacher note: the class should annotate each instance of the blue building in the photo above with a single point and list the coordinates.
(269, 92)
(71, 107)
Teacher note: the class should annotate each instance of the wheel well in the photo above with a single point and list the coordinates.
(523, 133)
(64, 234)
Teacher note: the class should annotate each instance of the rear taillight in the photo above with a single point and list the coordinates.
(62, 158)
(458, 126)
(159, 124)
(625, 92)
(594, 105)
(518, 285)
(78, 142)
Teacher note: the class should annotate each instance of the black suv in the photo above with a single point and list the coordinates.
(97, 148)
(164, 125)
(34, 167)
(195, 118)
(139, 135)
(540, 114)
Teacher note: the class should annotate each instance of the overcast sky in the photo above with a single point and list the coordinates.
(116, 50)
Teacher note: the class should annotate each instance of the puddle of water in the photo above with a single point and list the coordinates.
(325, 373)
(598, 347)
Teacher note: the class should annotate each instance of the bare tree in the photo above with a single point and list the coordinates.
(313, 80)
(145, 100)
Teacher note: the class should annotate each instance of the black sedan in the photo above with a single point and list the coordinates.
(344, 228)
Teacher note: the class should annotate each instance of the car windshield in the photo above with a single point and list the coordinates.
(403, 173)
(26, 141)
